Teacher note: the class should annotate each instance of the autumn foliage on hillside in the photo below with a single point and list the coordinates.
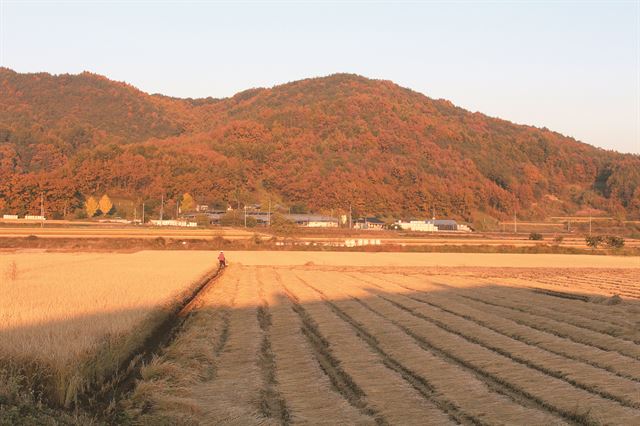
(320, 143)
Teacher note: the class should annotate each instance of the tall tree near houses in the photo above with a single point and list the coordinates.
(105, 204)
(188, 203)
(91, 206)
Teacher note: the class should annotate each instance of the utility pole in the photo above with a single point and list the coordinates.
(161, 208)
(42, 209)
(349, 215)
(177, 209)
(135, 214)
(143, 212)
(245, 215)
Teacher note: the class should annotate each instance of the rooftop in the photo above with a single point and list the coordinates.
(309, 218)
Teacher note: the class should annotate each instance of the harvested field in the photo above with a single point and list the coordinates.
(106, 231)
(68, 319)
(62, 234)
(353, 338)
(404, 260)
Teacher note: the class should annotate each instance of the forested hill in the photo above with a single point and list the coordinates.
(319, 144)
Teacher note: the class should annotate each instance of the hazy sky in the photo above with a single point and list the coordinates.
(573, 67)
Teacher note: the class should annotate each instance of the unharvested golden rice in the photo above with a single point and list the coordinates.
(58, 309)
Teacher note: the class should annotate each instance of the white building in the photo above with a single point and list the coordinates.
(181, 223)
(369, 223)
(321, 224)
(417, 225)
(313, 221)
(463, 227)
(433, 225)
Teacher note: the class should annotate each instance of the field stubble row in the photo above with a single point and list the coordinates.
(398, 348)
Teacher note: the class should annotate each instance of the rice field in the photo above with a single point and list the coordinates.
(317, 341)
(326, 338)
(68, 318)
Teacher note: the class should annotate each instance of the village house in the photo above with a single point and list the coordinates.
(370, 223)
(416, 225)
(313, 220)
(432, 225)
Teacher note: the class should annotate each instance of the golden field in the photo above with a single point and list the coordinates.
(58, 309)
(115, 232)
(368, 338)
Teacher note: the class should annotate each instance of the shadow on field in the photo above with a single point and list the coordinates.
(517, 342)
(449, 322)
(55, 360)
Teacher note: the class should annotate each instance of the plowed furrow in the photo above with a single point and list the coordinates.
(565, 308)
(272, 404)
(481, 399)
(620, 366)
(587, 286)
(385, 390)
(572, 403)
(577, 334)
(567, 331)
(525, 302)
(577, 308)
(234, 395)
(310, 379)
(580, 375)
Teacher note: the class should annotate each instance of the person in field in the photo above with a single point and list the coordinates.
(222, 260)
